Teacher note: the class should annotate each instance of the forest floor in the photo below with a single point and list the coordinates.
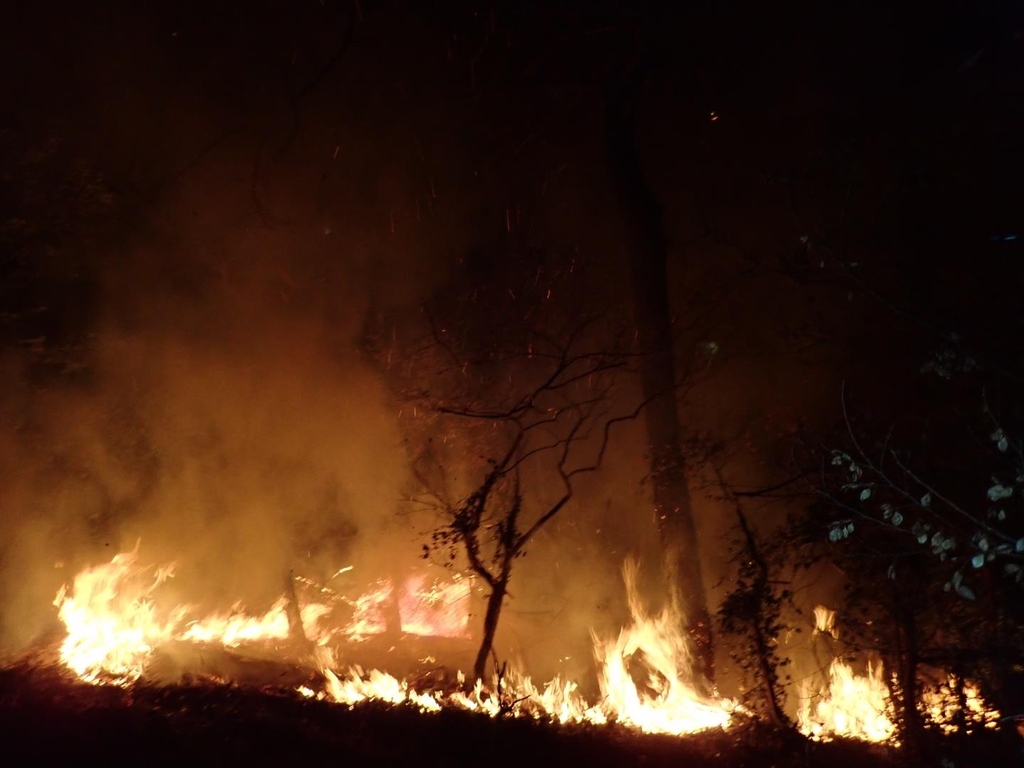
(49, 718)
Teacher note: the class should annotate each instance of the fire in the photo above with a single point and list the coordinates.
(369, 617)
(850, 705)
(859, 706)
(442, 610)
(113, 629)
(941, 706)
(668, 702)
(231, 630)
(825, 621)
(111, 622)
(671, 703)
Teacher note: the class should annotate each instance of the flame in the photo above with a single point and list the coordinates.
(859, 706)
(235, 628)
(440, 611)
(941, 706)
(825, 622)
(369, 617)
(850, 705)
(113, 628)
(111, 622)
(671, 703)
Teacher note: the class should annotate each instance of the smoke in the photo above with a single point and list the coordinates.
(202, 385)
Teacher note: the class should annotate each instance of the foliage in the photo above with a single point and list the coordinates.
(930, 535)
(752, 613)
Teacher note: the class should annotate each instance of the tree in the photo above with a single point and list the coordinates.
(645, 240)
(509, 398)
(559, 428)
(940, 560)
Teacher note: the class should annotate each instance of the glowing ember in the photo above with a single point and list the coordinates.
(440, 611)
(850, 705)
(941, 706)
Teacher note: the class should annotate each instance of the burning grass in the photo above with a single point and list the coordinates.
(231, 683)
(49, 716)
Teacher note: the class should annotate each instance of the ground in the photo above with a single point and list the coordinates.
(49, 718)
(46, 717)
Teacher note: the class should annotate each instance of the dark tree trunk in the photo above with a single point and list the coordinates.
(296, 632)
(911, 725)
(645, 239)
(494, 603)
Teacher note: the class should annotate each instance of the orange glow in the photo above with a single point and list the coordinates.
(940, 706)
(369, 617)
(442, 610)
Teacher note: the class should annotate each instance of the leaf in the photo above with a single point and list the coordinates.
(897, 518)
(978, 560)
(1003, 444)
(966, 592)
(999, 491)
(926, 500)
(865, 494)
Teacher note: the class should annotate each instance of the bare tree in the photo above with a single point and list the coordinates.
(553, 429)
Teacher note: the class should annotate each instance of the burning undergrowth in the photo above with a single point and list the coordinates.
(47, 714)
(116, 626)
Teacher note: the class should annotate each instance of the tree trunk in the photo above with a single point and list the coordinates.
(911, 725)
(296, 632)
(645, 239)
(494, 603)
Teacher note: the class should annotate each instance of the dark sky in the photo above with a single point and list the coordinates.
(211, 203)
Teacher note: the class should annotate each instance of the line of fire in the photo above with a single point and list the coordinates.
(489, 382)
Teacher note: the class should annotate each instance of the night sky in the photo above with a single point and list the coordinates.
(222, 226)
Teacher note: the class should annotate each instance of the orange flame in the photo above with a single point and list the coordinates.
(850, 705)
(859, 706)
(231, 630)
(113, 628)
(111, 622)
